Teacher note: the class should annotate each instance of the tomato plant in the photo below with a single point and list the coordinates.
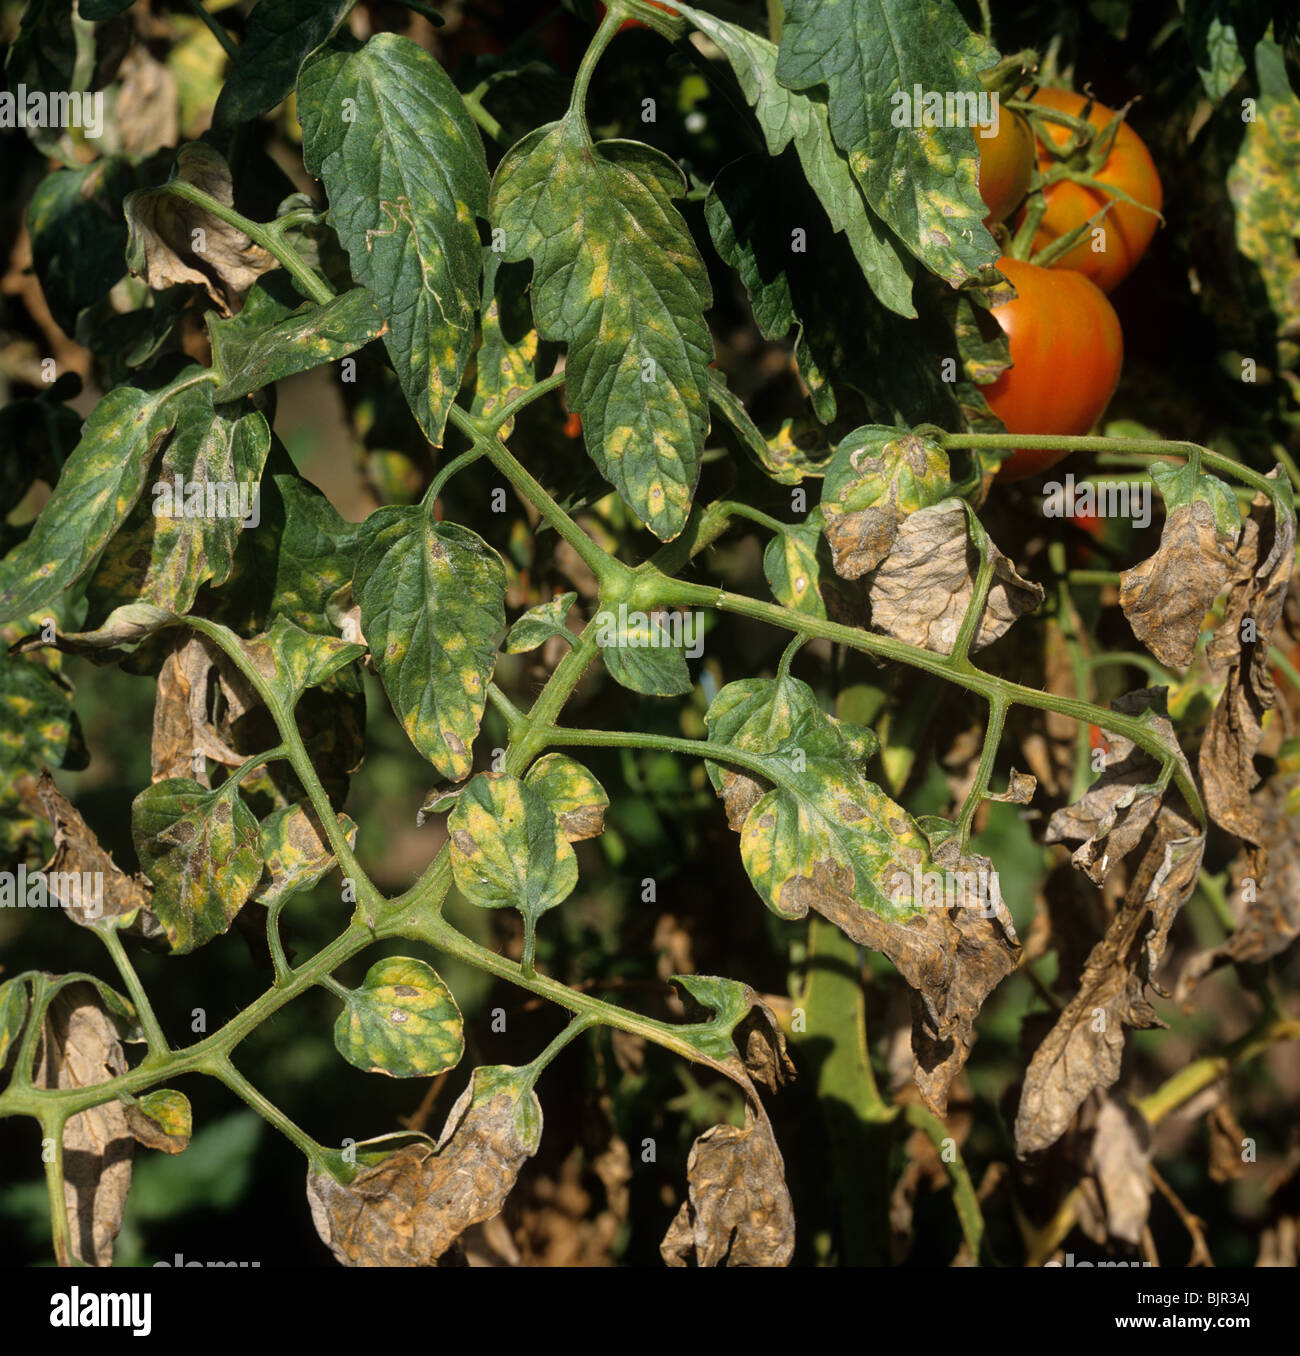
(1066, 353)
(1123, 234)
(540, 705)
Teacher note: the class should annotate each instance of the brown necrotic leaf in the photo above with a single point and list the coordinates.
(1166, 597)
(84, 878)
(162, 1120)
(1083, 1050)
(738, 1211)
(405, 1209)
(79, 1046)
(1119, 1160)
(922, 590)
(1260, 572)
(176, 241)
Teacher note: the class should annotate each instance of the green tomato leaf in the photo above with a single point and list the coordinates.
(280, 36)
(184, 533)
(201, 850)
(404, 168)
(508, 850)
(14, 1003)
(646, 651)
(577, 799)
(786, 456)
(786, 115)
(922, 180)
(792, 569)
(540, 623)
(822, 829)
(506, 362)
(162, 1120)
(432, 598)
(1181, 485)
(617, 277)
(97, 490)
(402, 1021)
(249, 353)
(292, 660)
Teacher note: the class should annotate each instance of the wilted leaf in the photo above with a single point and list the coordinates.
(407, 1208)
(617, 277)
(402, 1021)
(115, 896)
(175, 241)
(922, 180)
(877, 477)
(1166, 597)
(576, 798)
(432, 599)
(540, 623)
(1082, 1052)
(404, 169)
(1119, 1159)
(743, 1022)
(1257, 591)
(292, 660)
(508, 850)
(826, 838)
(295, 852)
(201, 851)
(79, 1046)
(786, 456)
(921, 592)
(738, 1211)
(161, 1120)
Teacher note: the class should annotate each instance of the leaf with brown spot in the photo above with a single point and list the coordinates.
(577, 799)
(124, 901)
(876, 479)
(406, 1208)
(1261, 571)
(162, 249)
(295, 852)
(742, 1022)
(162, 1120)
(202, 852)
(922, 590)
(738, 1211)
(79, 1047)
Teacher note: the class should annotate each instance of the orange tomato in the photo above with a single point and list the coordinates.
(1066, 349)
(1127, 229)
(1006, 165)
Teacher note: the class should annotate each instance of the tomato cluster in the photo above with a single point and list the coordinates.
(1064, 336)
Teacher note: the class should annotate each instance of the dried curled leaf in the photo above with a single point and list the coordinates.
(1119, 1159)
(1167, 596)
(738, 1211)
(175, 241)
(162, 1120)
(743, 1022)
(79, 1046)
(921, 592)
(405, 1209)
(1260, 574)
(78, 858)
(876, 479)
(1082, 1052)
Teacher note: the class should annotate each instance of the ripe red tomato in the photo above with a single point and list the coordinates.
(628, 24)
(1006, 165)
(1067, 349)
(1128, 229)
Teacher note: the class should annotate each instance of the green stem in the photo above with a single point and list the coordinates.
(52, 1129)
(575, 1028)
(223, 1069)
(992, 738)
(474, 102)
(455, 465)
(155, 1041)
(200, 11)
